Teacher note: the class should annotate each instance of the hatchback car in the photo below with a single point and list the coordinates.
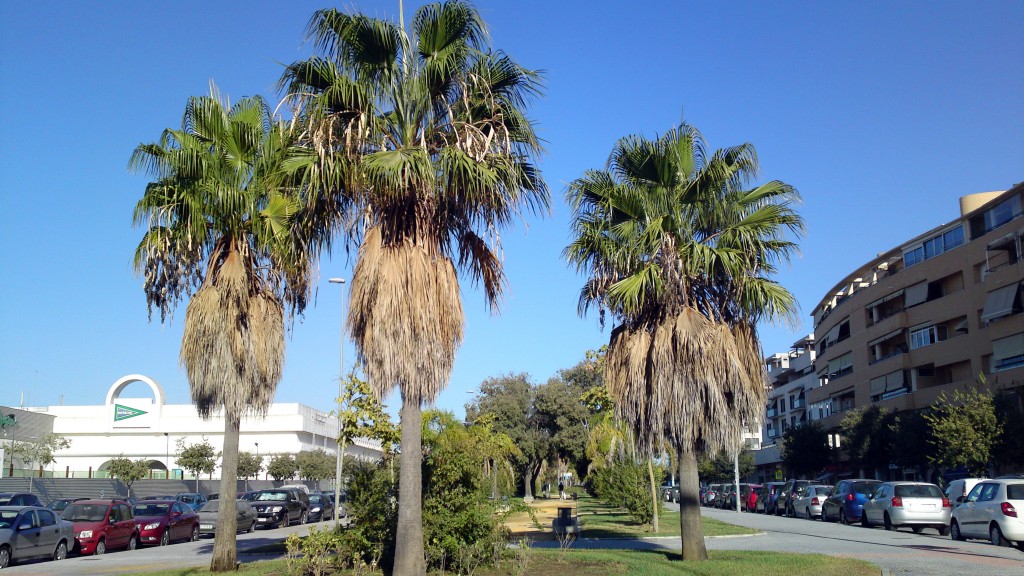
(60, 504)
(767, 497)
(724, 495)
(808, 505)
(846, 501)
(245, 516)
(33, 532)
(193, 500)
(992, 510)
(711, 494)
(915, 504)
(101, 525)
(20, 499)
(791, 490)
(750, 505)
(164, 521)
(321, 507)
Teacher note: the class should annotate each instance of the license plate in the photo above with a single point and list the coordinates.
(263, 519)
(205, 526)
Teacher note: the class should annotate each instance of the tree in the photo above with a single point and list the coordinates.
(805, 449)
(198, 458)
(282, 467)
(39, 453)
(219, 220)
(964, 430)
(249, 465)
(426, 152)
(1009, 449)
(722, 468)
(315, 465)
(868, 437)
(129, 471)
(360, 413)
(680, 255)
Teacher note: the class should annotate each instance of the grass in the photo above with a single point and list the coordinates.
(621, 563)
(600, 520)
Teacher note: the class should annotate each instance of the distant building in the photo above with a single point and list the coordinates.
(923, 318)
(149, 429)
(790, 376)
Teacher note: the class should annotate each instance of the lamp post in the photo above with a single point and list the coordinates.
(258, 461)
(167, 454)
(341, 380)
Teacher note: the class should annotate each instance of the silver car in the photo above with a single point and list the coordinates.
(33, 532)
(244, 514)
(808, 505)
(915, 504)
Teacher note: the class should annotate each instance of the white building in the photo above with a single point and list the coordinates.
(150, 428)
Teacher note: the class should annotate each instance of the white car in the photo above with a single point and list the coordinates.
(808, 505)
(993, 510)
(918, 505)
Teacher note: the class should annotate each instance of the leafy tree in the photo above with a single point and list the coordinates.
(199, 458)
(425, 137)
(909, 439)
(964, 430)
(680, 253)
(249, 465)
(315, 465)
(282, 467)
(219, 218)
(360, 414)
(560, 409)
(868, 437)
(507, 403)
(39, 453)
(722, 468)
(129, 471)
(1009, 449)
(805, 449)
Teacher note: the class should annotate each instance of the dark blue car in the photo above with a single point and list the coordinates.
(846, 501)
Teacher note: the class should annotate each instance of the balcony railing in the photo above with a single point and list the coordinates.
(799, 404)
(771, 412)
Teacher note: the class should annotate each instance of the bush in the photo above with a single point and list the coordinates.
(626, 485)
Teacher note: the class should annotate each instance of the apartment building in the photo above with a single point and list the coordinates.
(790, 375)
(926, 317)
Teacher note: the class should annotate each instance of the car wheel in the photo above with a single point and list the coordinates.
(133, 542)
(5, 556)
(995, 536)
(195, 533)
(864, 520)
(842, 517)
(954, 531)
(943, 530)
(101, 547)
(888, 522)
(252, 527)
(165, 539)
(916, 529)
(303, 518)
(61, 552)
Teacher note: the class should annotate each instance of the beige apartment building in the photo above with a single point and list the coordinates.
(926, 317)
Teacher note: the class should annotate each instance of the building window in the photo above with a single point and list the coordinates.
(1008, 352)
(996, 216)
(934, 246)
(926, 336)
(1002, 302)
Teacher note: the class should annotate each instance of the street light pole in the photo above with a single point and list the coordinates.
(341, 383)
(259, 462)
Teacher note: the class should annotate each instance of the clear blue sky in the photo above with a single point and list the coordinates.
(881, 114)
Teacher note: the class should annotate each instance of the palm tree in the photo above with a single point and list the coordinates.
(425, 155)
(680, 255)
(216, 220)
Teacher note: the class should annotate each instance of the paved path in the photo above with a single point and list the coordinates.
(901, 553)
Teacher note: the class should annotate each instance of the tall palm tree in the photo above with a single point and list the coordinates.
(424, 139)
(680, 254)
(217, 233)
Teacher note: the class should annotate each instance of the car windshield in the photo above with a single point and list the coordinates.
(314, 499)
(7, 518)
(210, 506)
(1015, 491)
(864, 488)
(4, 500)
(85, 512)
(272, 496)
(917, 491)
(151, 509)
(187, 498)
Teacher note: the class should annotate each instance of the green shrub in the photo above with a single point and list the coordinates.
(626, 485)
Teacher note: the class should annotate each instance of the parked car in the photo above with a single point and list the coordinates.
(300, 487)
(993, 509)
(193, 500)
(791, 490)
(846, 501)
(915, 504)
(101, 525)
(60, 504)
(960, 488)
(244, 514)
(33, 532)
(160, 497)
(321, 507)
(164, 521)
(808, 504)
(724, 494)
(674, 496)
(20, 499)
(767, 496)
(751, 503)
(276, 507)
(711, 494)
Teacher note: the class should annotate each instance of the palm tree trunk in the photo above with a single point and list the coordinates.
(690, 530)
(224, 551)
(654, 494)
(409, 559)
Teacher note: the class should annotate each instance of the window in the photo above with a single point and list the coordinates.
(934, 246)
(1002, 302)
(926, 336)
(46, 518)
(1008, 352)
(996, 216)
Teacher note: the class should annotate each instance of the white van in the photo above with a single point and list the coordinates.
(302, 487)
(960, 488)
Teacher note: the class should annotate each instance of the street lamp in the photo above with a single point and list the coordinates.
(258, 461)
(341, 380)
(167, 454)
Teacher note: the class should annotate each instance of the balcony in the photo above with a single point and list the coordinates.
(799, 404)
(772, 412)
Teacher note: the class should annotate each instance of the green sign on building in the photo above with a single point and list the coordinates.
(126, 412)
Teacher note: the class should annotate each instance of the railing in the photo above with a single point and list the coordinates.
(799, 404)
(771, 413)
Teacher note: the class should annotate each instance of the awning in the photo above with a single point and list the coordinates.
(1000, 302)
(917, 294)
(888, 336)
(895, 294)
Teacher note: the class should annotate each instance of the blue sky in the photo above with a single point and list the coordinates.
(882, 114)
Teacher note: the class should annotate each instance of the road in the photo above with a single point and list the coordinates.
(901, 553)
(180, 555)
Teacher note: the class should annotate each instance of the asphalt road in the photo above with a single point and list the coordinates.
(900, 553)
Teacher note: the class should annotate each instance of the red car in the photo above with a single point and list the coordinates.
(164, 521)
(751, 503)
(102, 524)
